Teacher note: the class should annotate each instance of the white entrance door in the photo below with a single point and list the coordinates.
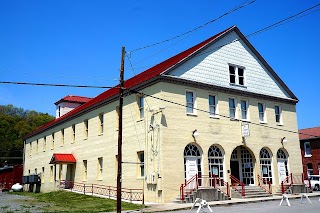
(191, 170)
(281, 170)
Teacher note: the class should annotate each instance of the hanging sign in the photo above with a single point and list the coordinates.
(245, 130)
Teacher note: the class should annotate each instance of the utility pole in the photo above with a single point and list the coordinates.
(119, 176)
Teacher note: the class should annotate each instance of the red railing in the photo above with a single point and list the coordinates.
(207, 181)
(286, 183)
(203, 181)
(108, 191)
(188, 187)
(237, 185)
(264, 184)
(308, 184)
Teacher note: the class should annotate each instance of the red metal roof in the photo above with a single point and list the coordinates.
(62, 158)
(144, 76)
(309, 133)
(73, 98)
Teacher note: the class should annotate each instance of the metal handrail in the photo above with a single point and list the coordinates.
(203, 181)
(262, 182)
(237, 183)
(188, 187)
(109, 191)
(286, 183)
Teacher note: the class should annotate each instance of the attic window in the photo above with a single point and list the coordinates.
(236, 74)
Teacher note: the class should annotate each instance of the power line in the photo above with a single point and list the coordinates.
(224, 116)
(242, 5)
(54, 85)
(279, 23)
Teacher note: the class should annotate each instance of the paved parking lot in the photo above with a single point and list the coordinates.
(267, 206)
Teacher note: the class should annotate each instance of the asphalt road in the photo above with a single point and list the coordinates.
(264, 207)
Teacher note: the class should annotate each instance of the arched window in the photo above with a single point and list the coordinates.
(281, 155)
(215, 158)
(265, 164)
(191, 150)
(192, 161)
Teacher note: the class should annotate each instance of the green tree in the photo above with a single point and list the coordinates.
(15, 125)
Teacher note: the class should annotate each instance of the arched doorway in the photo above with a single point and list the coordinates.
(266, 165)
(282, 161)
(215, 161)
(242, 165)
(192, 161)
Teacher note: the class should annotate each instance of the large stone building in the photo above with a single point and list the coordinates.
(187, 119)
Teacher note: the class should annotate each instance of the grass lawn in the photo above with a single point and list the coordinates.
(63, 201)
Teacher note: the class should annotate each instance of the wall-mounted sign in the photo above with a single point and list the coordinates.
(245, 130)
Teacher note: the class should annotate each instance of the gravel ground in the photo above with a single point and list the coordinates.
(17, 203)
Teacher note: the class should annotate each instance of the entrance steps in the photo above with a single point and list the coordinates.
(294, 189)
(250, 192)
(208, 194)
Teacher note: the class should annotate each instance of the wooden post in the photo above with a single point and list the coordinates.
(121, 89)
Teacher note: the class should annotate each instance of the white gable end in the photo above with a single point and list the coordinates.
(211, 66)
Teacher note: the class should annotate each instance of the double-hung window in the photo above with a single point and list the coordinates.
(232, 108)
(86, 129)
(62, 137)
(44, 144)
(307, 149)
(244, 110)
(85, 170)
(73, 133)
(237, 75)
(262, 112)
(141, 163)
(140, 100)
(100, 168)
(213, 105)
(277, 110)
(191, 102)
(101, 124)
(52, 141)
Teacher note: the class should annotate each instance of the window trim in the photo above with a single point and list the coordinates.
(237, 76)
(101, 123)
(85, 170)
(62, 137)
(141, 107)
(86, 129)
(194, 102)
(235, 109)
(247, 109)
(280, 123)
(305, 149)
(216, 106)
(44, 145)
(52, 141)
(73, 129)
(141, 166)
(264, 112)
(100, 168)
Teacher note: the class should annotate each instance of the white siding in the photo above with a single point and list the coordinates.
(212, 66)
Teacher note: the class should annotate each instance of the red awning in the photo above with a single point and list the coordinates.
(62, 159)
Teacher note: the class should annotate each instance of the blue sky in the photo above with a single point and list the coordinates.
(79, 42)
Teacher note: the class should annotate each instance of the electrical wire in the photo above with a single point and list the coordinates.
(224, 116)
(274, 25)
(55, 85)
(242, 5)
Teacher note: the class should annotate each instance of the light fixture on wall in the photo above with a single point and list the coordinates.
(195, 133)
(284, 140)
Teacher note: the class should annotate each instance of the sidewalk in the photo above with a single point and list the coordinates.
(184, 206)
